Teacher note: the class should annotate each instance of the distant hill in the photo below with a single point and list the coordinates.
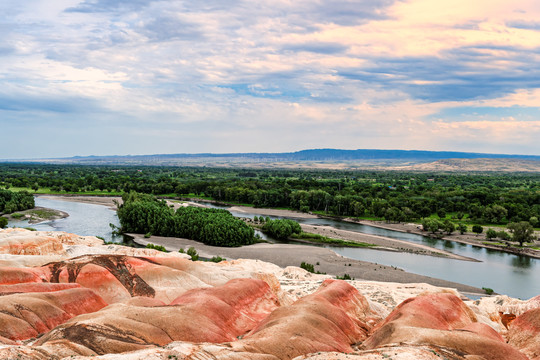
(322, 158)
(475, 165)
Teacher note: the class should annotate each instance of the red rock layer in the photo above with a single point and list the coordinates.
(215, 315)
(30, 245)
(524, 333)
(36, 287)
(15, 275)
(331, 319)
(24, 316)
(441, 320)
(118, 278)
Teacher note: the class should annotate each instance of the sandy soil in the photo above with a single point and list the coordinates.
(273, 212)
(32, 215)
(293, 255)
(382, 243)
(96, 200)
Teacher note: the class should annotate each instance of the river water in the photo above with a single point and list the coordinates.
(84, 219)
(509, 274)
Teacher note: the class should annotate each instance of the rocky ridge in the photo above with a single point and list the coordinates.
(63, 296)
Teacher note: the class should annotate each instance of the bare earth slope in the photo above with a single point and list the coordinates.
(95, 301)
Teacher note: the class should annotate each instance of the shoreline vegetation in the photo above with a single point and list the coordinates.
(381, 243)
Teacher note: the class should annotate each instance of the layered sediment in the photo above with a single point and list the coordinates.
(63, 296)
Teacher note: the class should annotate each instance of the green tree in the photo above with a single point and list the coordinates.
(3, 222)
(491, 234)
(503, 235)
(449, 226)
(462, 228)
(522, 232)
(282, 228)
(477, 229)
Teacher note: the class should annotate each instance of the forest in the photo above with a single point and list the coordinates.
(144, 214)
(11, 201)
(483, 198)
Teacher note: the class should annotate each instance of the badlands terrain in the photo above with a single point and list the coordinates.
(64, 296)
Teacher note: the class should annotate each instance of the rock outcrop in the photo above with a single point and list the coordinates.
(76, 298)
(441, 320)
(24, 316)
(219, 314)
(333, 318)
(524, 333)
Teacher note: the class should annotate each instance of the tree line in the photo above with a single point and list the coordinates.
(485, 198)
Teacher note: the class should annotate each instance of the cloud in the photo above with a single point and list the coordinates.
(339, 73)
(97, 6)
(170, 27)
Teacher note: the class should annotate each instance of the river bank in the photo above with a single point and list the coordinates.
(466, 238)
(502, 272)
(37, 215)
(323, 259)
(379, 241)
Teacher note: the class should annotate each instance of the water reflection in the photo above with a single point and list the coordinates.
(523, 262)
(448, 244)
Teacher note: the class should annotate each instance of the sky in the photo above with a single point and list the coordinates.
(117, 77)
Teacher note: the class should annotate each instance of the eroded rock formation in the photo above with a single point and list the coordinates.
(76, 298)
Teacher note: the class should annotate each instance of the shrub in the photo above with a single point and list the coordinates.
(147, 235)
(3, 222)
(488, 291)
(308, 267)
(477, 229)
(503, 235)
(193, 253)
(156, 247)
(491, 234)
(344, 277)
(217, 259)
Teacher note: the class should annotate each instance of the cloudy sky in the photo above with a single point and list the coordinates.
(107, 77)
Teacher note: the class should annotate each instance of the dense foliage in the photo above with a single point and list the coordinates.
(282, 228)
(11, 201)
(485, 198)
(143, 214)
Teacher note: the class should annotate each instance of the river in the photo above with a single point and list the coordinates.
(509, 274)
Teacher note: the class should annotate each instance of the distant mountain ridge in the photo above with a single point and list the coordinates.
(316, 155)
(331, 159)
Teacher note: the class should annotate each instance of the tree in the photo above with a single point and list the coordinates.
(491, 234)
(477, 229)
(462, 228)
(3, 222)
(432, 225)
(533, 220)
(449, 226)
(282, 228)
(522, 232)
